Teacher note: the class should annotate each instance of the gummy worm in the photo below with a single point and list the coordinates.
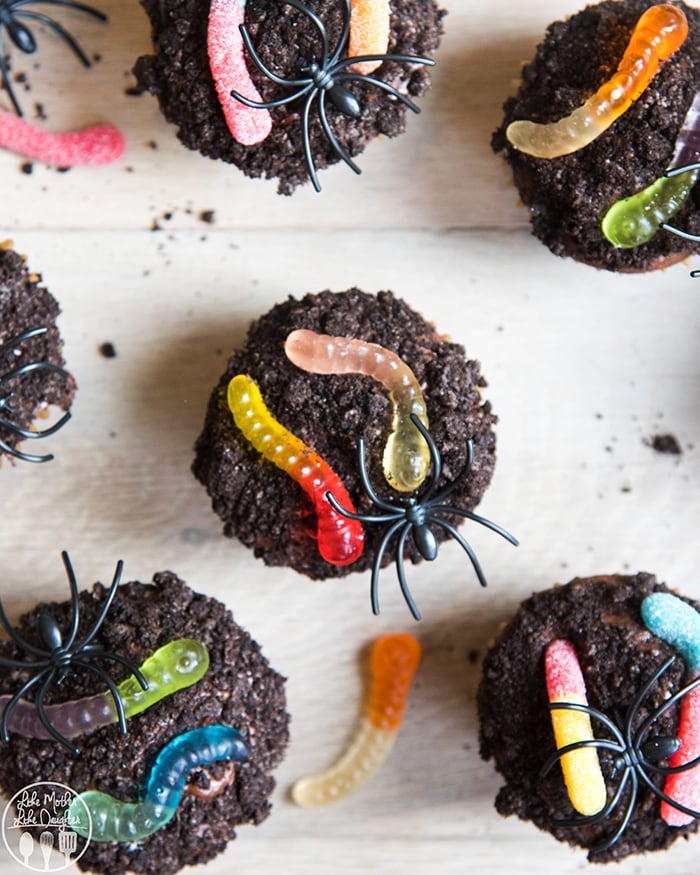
(678, 624)
(91, 146)
(406, 455)
(581, 769)
(660, 31)
(340, 540)
(369, 32)
(230, 73)
(117, 821)
(635, 220)
(393, 663)
(173, 667)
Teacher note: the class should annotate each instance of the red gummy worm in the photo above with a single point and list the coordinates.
(98, 145)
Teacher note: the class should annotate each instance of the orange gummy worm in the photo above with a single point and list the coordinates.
(369, 32)
(660, 31)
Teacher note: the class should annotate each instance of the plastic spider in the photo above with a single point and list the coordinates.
(5, 399)
(685, 234)
(634, 755)
(11, 11)
(52, 662)
(414, 514)
(323, 79)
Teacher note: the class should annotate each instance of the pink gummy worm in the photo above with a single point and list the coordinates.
(684, 787)
(99, 145)
(247, 124)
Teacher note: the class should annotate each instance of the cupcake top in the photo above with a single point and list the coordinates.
(606, 621)
(32, 374)
(286, 40)
(237, 690)
(569, 195)
(261, 504)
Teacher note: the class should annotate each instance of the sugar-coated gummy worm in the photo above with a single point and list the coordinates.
(340, 540)
(660, 31)
(581, 769)
(173, 667)
(634, 220)
(102, 144)
(369, 32)
(115, 821)
(393, 663)
(678, 623)
(230, 73)
(406, 455)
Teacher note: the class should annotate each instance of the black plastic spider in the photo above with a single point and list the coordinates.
(634, 755)
(414, 513)
(677, 171)
(56, 659)
(324, 79)
(11, 11)
(5, 399)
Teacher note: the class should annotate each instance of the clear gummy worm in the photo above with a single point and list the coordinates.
(393, 663)
(175, 666)
(406, 455)
(340, 540)
(660, 31)
(115, 821)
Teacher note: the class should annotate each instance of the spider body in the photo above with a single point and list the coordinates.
(634, 756)
(323, 78)
(51, 662)
(415, 515)
(13, 14)
(5, 406)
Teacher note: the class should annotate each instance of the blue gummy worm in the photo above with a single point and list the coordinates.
(677, 622)
(115, 821)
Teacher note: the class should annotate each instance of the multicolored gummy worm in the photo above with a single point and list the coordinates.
(393, 663)
(581, 769)
(173, 667)
(678, 623)
(660, 31)
(111, 820)
(406, 456)
(340, 540)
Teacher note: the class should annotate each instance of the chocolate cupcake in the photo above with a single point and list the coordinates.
(356, 426)
(200, 59)
(201, 741)
(619, 652)
(570, 183)
(32, 376)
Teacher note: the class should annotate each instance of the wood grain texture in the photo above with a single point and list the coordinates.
(583, 367)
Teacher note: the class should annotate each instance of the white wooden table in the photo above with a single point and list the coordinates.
(582, 367)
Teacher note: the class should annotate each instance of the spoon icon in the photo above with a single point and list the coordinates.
(26, 847)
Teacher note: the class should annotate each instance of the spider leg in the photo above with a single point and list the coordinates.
(634, 740)
(677, 231)
(122, 660)
(364, 518)
(25, 457)
(467, 514)
(603, 743)
(34, 435)
(663, 795)
(9, 708)
(60, 31)
(75, 604)
(435, 458)
(44, 717)
(270, 104)
(118, 704)
(319, 24)
(260, 64)
(20, 338)
(108, 601)
(307, 142)
(402, 574)
(380, 84)
(344, 34)
(401, 59)
(374, 585)
(464, 545)
(32, 366)
(597, 715)
(609, 842)
(17, 638)
(366, 485)
(331, 136)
